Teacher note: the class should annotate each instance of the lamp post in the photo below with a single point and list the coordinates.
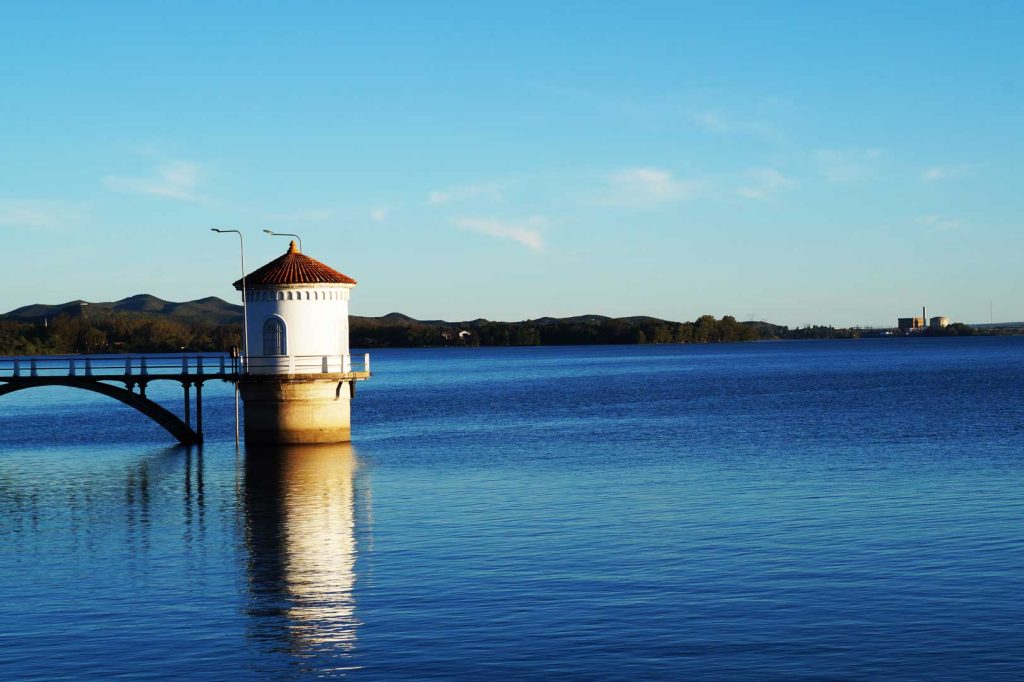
(285, 234)
(245, 309)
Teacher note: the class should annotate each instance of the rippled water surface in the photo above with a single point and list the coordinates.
(843, 510)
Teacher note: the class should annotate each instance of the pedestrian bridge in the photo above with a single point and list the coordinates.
(126, 377)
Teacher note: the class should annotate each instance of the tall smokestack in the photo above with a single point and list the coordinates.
(924, 317)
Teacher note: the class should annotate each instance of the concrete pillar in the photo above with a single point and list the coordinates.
(285, 410)
(199, 407)
(188, 407)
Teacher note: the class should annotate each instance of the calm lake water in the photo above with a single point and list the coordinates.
(840, 510)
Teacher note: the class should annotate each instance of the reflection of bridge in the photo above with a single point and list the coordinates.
(102, 374)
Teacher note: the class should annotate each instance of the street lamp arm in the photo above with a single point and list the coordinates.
(285, 234)
(245, 306)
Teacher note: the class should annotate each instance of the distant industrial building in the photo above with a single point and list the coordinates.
(913, 325)
(908, 325)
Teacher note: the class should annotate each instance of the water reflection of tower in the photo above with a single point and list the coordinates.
(300, 535)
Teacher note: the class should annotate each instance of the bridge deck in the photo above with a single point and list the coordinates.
(190, 368)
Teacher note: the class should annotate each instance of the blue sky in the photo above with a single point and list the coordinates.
(796, 162)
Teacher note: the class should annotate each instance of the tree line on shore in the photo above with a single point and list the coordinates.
(144, 333)
(117, 333)
(382, 332)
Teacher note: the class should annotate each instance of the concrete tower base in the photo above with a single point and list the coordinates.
(295, 409)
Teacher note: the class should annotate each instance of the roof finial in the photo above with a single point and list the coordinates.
(292, 248)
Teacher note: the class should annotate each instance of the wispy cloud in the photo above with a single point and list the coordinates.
(305, 215)
(848, 165)
(760, 183)
(948, 172)
(649, 187)
(176, 180)
(527, 232)
(938, 222)
(720, 123)
(40, 214)
(380, 214)
(491, 190)
(711, 120)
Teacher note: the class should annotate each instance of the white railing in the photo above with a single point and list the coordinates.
(169, 364)
(308, 364)
(155, 364)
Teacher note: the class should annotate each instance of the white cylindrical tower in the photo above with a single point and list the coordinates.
(298, 316)
(299, 376)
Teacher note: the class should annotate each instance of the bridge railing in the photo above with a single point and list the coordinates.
(155, 364)
(169, 364)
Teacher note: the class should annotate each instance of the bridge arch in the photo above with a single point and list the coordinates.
(161, 415)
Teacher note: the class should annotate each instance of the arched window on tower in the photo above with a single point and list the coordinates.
(274, 337)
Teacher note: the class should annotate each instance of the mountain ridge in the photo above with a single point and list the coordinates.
(210, 309)
(214, 310)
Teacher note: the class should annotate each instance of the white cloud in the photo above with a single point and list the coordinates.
(492, 191)
(712, 121)
(308, 215)
(762, 182)
(649, 187)
(848, 165)
(37, 214)
(945, 172)
(172, 180)
(526, 232)
(938, 222)
(380, 214)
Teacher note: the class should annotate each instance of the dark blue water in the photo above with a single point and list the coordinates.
(822, 510)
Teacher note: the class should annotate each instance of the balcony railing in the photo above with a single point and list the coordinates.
(308, 364)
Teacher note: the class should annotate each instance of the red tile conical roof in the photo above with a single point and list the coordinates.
(293, 268)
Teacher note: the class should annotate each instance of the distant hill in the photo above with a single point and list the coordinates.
(216, 311)
(578, 319)
(999, 325)
(397, 317)
(209, 310)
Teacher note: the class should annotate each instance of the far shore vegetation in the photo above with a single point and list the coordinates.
(145, 324)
